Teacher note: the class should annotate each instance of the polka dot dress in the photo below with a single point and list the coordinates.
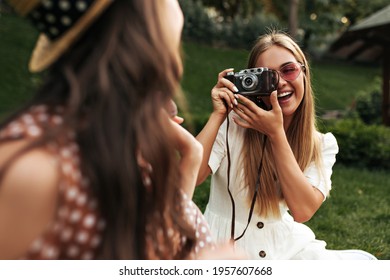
(195, 218)
(76, 232)
(202, 231)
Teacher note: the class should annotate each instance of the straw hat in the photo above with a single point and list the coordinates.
(61, 23)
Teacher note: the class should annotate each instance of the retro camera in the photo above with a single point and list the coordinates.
(254, 82)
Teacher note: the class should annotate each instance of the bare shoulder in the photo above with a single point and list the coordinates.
(28, 194)
(35, 171)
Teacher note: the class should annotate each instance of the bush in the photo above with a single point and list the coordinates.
(362, 145)
(197, 23)
(368, 104)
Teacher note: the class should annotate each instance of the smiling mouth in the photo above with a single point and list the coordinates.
(284, 95)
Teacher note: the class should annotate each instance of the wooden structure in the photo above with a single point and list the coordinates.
(369, 41)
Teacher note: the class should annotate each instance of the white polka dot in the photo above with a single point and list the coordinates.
(54, 31)
(208, 239)
(95, 241)
(66, 21)
(64, 5)
(33, 130)
(81, 6)
(56, 227)
(28, 119)
(73, 251)
(66, 234)
(87, 256)
(15, 129)
(81, 199)
(50, 252)
(57, 120)
(75, 216)
(50, 18)
(67, 168)
(203, 229)
(37, 245)
(89, 221)
(43, 117)
(48, 4)
(82, 237)
(201, 244)
(71, 194)
(65, 153)
(170, 232)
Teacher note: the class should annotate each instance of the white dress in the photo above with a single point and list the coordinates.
(266, 238)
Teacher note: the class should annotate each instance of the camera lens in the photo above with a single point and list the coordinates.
(249, 82)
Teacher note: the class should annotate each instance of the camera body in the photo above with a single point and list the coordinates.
(254, 82)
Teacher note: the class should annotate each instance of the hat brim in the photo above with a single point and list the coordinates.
(47, 52)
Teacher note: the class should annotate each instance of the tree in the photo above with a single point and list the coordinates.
(293, 18)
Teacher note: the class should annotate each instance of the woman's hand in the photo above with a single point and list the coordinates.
(251, 116)
(189, 149)
(222, 94)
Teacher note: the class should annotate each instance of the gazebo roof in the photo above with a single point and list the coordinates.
(381, 17)
(366, 40)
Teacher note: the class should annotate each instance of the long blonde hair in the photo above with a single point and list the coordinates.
(301, 133)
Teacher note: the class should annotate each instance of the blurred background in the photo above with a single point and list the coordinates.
(347, 43)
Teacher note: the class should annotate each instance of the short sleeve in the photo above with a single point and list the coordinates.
(320, 176)
(218, 151)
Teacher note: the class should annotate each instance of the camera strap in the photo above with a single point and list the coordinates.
(228, 186)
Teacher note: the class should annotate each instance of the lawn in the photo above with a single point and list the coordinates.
(355, 216)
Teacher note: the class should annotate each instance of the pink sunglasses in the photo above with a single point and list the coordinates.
(291, 71)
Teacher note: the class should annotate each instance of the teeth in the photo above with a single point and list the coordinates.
(284, 94)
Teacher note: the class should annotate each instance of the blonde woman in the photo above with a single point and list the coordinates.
(271, 169)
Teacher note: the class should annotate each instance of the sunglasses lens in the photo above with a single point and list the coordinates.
(290, 71)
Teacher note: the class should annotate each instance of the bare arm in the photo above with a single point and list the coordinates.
(223, 101)
(28, 193)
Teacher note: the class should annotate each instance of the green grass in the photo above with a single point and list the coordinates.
(357, 213)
